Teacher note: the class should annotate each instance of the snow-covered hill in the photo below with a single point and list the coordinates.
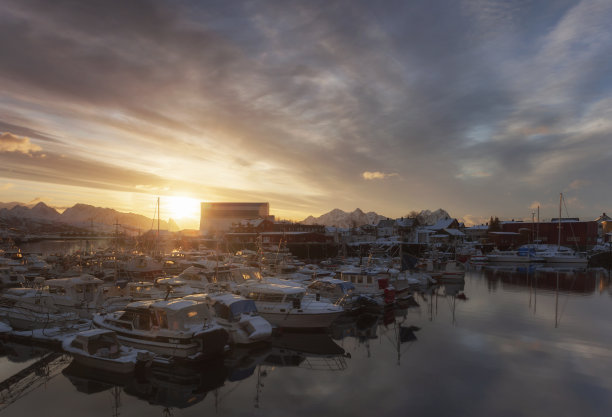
(340, 218)
(428, 218)
(84, 216)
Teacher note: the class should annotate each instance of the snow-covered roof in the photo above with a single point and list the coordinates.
(385, 223)
(442, 224)
(454, 232)
(250, 222)
(94, 332)
(478, 227)
(407, 222)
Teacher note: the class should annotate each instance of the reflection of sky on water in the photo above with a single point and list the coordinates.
(501, 356)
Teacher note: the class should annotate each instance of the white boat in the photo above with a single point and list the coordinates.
(285, 305)
(522, 255)
(100, 348)
(143, 268)
(562, 254)
(179, 328)
(237, 315)
(10, 278)
(82, 294)
(30, 308)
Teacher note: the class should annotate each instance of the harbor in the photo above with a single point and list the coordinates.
(495, 326)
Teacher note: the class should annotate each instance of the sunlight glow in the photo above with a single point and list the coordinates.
(176, 207)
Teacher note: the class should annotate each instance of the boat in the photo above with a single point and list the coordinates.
(237, 315)
(10, 278)
(177, 328)
(561, 254)
(30, 308)
(100, 349)
(524, 254)
(82, 294)
(285, 305)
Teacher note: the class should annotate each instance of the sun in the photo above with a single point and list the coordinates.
(180, 208)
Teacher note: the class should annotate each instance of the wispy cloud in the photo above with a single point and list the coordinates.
(377, 175)
(13, 143)
(293, 100)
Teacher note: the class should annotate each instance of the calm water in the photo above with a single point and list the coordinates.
(519, 343)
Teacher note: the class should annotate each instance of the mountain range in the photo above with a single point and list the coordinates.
(340, 218)
(80, 215)
(39, 217)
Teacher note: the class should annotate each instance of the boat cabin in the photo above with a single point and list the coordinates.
(97, 342)
(174, 315)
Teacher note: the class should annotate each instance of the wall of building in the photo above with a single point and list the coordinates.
(219, 217)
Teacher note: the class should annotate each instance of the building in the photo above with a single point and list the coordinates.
(572, 233)
(219, 217)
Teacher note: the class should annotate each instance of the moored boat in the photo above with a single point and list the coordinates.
(100, 349)
(179, 328)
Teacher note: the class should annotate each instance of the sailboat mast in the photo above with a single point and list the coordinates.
(559, 231)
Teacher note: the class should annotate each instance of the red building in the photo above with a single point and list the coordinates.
(574, 233)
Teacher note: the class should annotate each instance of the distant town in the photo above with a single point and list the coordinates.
(248, 224)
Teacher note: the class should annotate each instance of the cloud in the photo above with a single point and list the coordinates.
(377, 175)
(6, 186)
(578, 184)
(468, 98)
(535, 205)
(13, 143)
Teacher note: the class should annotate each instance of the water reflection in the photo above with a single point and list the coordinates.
(177, 385)
(482, 347)
(563, 279)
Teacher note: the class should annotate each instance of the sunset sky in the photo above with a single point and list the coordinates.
(483, 108)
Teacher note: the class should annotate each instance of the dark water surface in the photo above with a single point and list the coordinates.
(510, 342)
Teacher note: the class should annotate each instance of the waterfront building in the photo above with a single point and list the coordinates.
(219, 217)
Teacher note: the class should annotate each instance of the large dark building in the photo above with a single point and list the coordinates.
(219, 217)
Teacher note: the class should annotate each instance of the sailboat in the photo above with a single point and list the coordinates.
(563, 255)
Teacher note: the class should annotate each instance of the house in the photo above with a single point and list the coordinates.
(385, 228)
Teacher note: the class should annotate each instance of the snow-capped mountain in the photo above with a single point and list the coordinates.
(340, 218)
(82, 215)
(40, 211)
(428, 218)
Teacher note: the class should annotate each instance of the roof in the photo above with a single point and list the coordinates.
(477, 227)
(175, 305)
(454, 232)
(442, 224)
(250, 222)
(385, 223)
(94, 332)
(407, 222)
(277, 288)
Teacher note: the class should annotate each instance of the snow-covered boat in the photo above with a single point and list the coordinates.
(286, 305)
(29, 308)
(180, 327)
(100, 348)
(237, 315)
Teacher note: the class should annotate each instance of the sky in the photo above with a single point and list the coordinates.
(483, 108)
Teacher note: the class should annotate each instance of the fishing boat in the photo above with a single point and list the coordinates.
(100, 349)
(179, 328)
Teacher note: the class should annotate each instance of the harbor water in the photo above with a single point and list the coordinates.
(509, 341)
